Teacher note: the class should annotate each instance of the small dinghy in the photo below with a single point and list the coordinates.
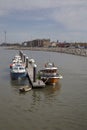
(24, 89)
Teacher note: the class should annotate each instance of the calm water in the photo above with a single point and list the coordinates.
(63, 107)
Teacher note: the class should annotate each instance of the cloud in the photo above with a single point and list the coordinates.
(24, 4)
(72, 16)
(65, 19)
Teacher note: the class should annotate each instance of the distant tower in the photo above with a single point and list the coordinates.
(5, 36)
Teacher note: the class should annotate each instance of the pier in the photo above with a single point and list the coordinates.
(31, 72)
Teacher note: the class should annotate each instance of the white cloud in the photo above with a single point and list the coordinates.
(72, 16)
(24, 4)
(69, 15)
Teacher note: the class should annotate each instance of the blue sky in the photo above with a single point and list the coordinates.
(63, 20)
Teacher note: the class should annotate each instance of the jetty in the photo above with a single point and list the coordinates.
(31, 68)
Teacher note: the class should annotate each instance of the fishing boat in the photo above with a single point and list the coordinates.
(49, 74)
(16, 60)
(18, 71)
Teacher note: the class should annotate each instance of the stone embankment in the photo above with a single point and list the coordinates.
(74, 51)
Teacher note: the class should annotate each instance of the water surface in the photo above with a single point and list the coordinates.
(60, 107)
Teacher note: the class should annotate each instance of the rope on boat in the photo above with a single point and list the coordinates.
(46, 80)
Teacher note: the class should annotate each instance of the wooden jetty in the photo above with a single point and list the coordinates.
(35, 83)
(31, 72)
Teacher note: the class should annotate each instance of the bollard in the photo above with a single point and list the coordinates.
(34, 72)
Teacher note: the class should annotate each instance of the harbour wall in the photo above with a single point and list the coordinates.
(74, 51)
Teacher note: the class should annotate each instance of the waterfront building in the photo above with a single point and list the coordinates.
(37, 43)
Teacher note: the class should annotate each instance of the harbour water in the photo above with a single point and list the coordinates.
(60, 107)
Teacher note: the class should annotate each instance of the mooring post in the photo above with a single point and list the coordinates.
(34, 72)
(24, 57)
(20, 53)
(26, 62)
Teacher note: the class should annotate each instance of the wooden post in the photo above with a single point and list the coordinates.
(24, 58)
(20, 53)
(26, 62)
(34, 72)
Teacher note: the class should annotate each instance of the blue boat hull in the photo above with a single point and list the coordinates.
(18, 75)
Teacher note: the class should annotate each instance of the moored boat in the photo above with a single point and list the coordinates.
(25, 89)
(49, 74)
(16, 60)
(18, 71)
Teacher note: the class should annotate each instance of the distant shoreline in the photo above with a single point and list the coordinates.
(74, 51)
